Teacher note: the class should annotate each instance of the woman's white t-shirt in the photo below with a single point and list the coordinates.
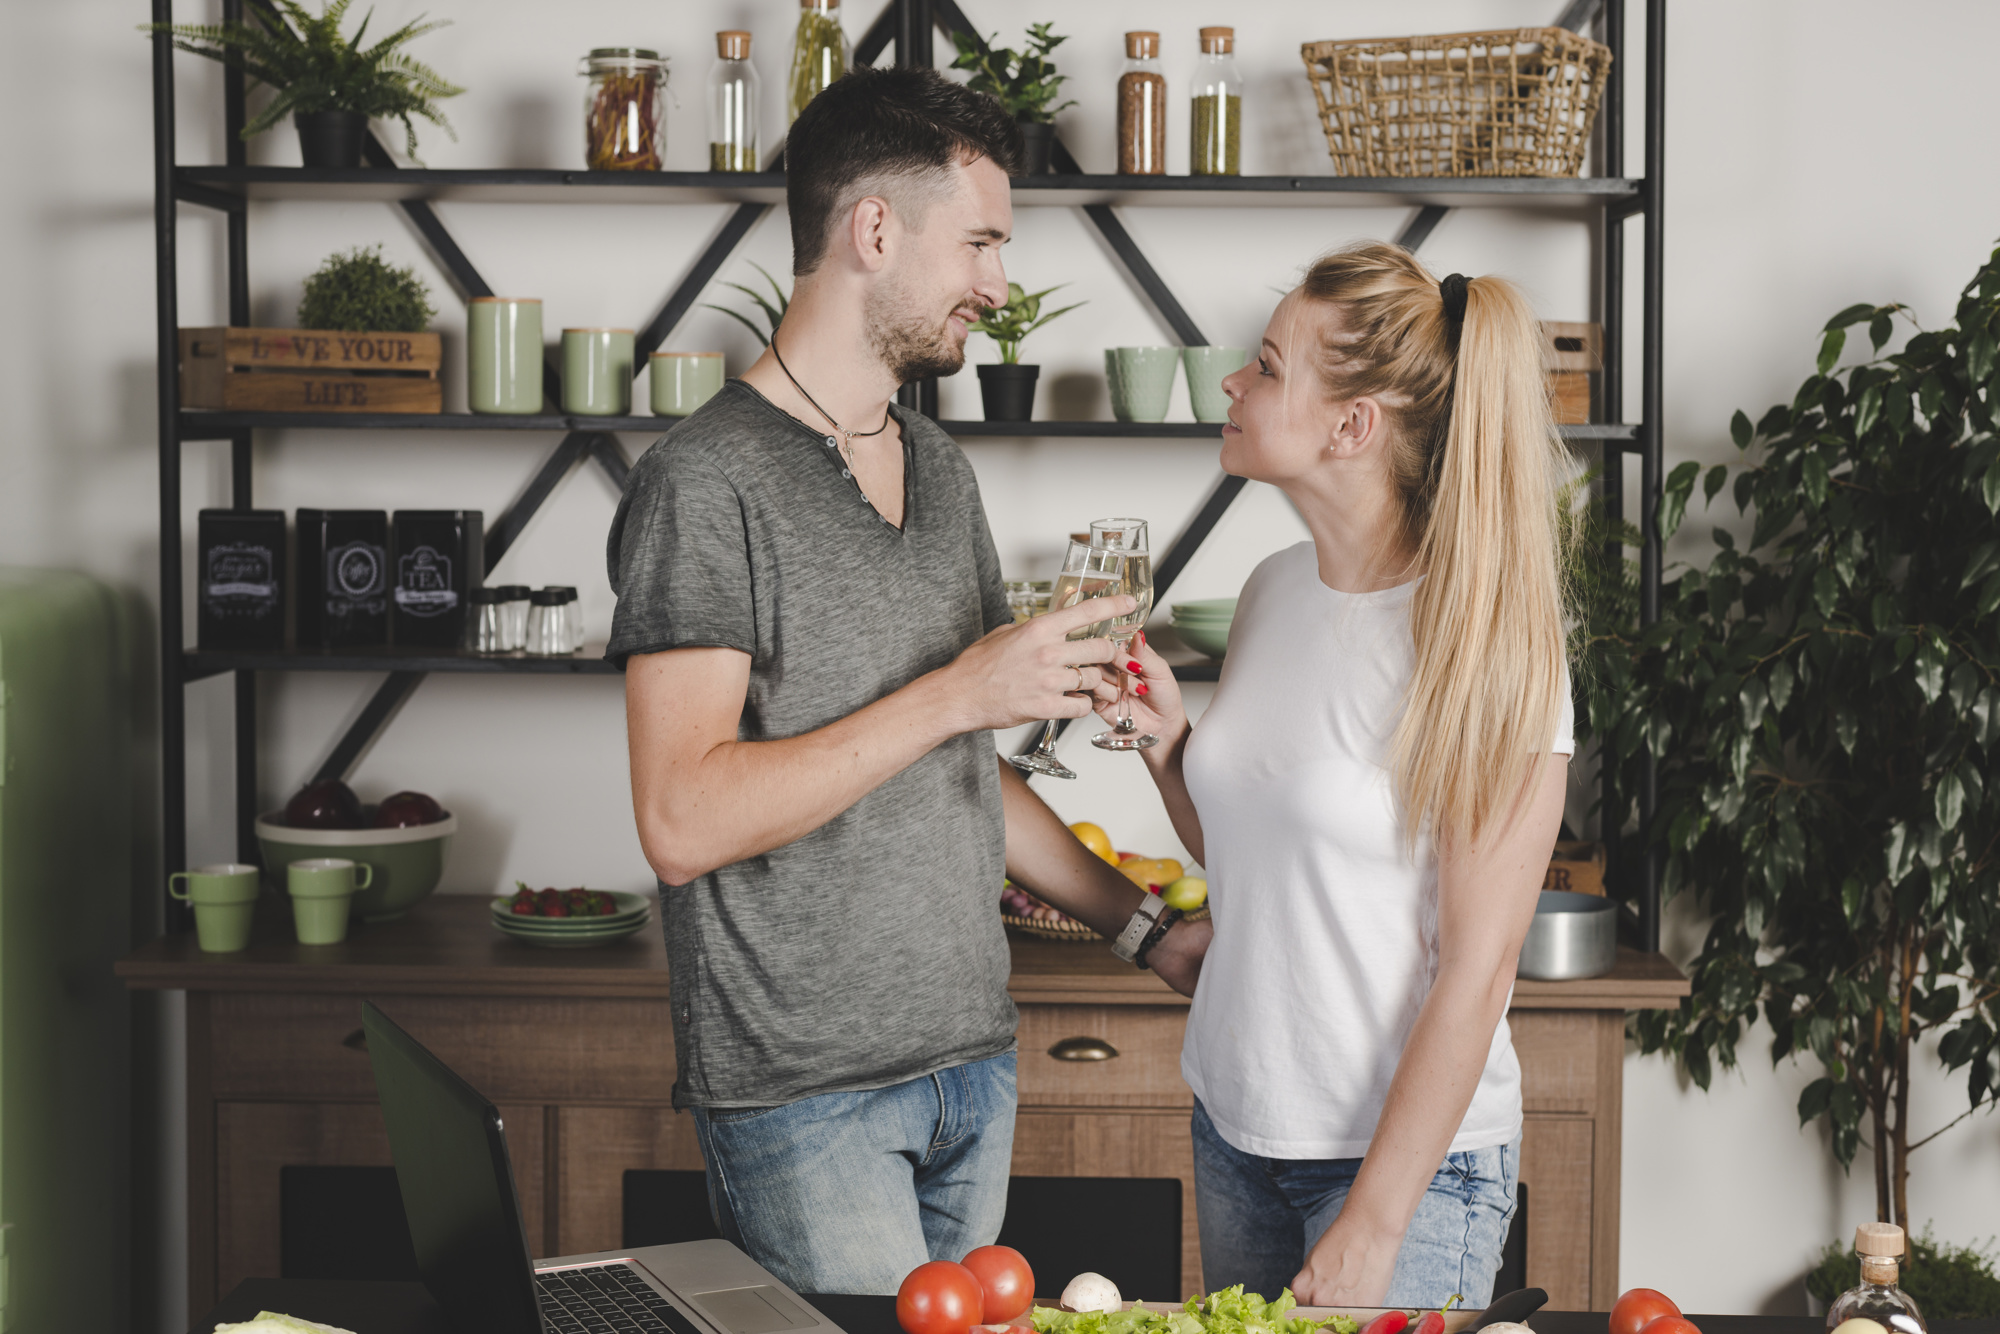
(1325, 928)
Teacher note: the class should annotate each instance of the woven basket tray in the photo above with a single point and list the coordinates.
(1513, 103)
(1072, 930)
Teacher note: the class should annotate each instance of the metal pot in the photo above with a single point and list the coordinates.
(1572, 936)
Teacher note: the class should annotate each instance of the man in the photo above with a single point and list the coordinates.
(817, 647)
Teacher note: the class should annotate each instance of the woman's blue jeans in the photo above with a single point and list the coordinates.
(1260, 1216)
(848, 1192)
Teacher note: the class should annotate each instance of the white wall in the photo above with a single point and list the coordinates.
(1816, 157)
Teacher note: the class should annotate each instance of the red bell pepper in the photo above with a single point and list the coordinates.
(1434, 1322)
(1389, 1322)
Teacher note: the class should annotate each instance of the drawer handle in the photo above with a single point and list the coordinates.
(1084, 1049)
(356, 1041)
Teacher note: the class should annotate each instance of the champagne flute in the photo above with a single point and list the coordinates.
(1127, 536)
(1088, 572)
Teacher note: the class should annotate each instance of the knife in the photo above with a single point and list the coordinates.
(1516, 1305)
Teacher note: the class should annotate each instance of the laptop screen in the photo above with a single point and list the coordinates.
(457, 1186)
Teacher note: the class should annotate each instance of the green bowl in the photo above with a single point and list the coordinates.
(571, 933)
(1212, 640)
(408, 862)
(1204, 609)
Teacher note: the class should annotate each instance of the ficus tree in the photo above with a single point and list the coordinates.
(1824, 705)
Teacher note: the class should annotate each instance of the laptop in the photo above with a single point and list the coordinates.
(472, 1251)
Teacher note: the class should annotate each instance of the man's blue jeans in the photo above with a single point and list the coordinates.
(1260, 1216)
(848, 1192)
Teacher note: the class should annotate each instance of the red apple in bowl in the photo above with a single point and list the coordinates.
(327, 804)
(404, 809)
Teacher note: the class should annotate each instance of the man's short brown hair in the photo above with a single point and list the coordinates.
(889, 132)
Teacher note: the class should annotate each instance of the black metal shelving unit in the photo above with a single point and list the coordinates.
(229, 188)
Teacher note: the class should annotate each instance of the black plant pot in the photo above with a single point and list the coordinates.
(1008, 392)
(331, 138)
(1038, 139)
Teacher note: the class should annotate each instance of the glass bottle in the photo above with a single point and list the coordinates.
(819, 54)
(1142, 108)
(1880, 1246)
(483, 621)
(513, 617)
(732, 105)
(572, 615)
(548, 636)
(1215, 139)
(624, 108)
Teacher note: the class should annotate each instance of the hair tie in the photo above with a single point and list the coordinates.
(1453, 289)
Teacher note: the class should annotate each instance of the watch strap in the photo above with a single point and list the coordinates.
(1156, 935)
(1134, 935)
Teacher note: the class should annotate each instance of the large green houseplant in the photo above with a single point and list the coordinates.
(1824, 706)
(331, 85)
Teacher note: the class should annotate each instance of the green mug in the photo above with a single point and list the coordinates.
(1206, 367)
(1142, 379)
(322, 891)
(224, 896)
(597, 372)
(503, 341)
(683, 381)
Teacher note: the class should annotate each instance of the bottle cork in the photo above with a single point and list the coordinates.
(1218, 41)
(733, 45)
(1142, 45)
(1882, 1240)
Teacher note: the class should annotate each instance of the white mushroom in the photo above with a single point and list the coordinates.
(1505, 1327)
(1091, 1292)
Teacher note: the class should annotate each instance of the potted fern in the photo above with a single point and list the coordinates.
(1024, 82)
(1008, 389)
(330, 85)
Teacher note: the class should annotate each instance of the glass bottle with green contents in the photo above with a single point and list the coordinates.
(1215, 141)
(819, 54)
(732, 105)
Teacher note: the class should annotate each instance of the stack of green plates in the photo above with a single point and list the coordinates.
(573, 933)
(1204, 625)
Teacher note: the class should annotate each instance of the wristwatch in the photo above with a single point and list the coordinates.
(1149, 923)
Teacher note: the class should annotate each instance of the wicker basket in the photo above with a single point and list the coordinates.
(1070, 929)
(1513, 103)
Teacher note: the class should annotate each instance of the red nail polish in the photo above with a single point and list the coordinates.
(1134, 667)
(1140, 689)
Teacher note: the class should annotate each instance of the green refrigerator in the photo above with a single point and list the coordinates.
(67, 888)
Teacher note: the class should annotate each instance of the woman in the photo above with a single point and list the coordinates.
(1375, 790)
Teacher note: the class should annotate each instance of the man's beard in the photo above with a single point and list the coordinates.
(912, 344)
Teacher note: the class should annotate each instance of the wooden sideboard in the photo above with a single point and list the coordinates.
(576, 1048)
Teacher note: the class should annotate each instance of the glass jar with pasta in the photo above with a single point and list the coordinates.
(624, 109)
(819, 54)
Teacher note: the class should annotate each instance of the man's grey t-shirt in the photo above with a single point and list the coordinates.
(867, 952)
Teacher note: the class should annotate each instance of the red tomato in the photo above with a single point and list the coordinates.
(1004, 1275)
(939, 1298)
(1669, 1324)
(1637, 1308)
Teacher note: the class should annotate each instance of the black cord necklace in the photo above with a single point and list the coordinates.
(848, 437)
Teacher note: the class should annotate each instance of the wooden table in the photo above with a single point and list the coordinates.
(576, 1048)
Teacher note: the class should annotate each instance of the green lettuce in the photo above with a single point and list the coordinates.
(1230, 1311)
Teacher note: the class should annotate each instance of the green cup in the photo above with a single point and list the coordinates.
(683, 381)
(1205, 368)
(322, 892)
(503, 341)
(597, 372)
(224, 896)
(1141, 380)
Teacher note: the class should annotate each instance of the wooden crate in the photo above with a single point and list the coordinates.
(309, 370)
(1574, 355)
(1577, 868)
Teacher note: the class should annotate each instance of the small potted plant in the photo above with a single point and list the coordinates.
(358, 291)
(1025, 82)
(328, 84)
(1008, 389)
(774, 314)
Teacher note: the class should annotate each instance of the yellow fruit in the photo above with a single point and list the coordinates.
(1187, 893)
(1094, 838)
(1144, 871)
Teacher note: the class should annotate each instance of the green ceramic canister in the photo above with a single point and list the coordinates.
(503, 342)
(597, 372)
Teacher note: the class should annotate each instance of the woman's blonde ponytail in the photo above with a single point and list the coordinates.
(1477, 460)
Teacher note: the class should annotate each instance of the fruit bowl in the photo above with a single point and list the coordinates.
(408, 862)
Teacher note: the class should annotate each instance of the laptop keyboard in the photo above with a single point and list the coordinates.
(606, 1299)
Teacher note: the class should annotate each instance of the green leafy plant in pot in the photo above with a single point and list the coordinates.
(328, 84)
(360, 292)
(1024, 82)
(1823, 708)
(1007, 390)
(772, 310)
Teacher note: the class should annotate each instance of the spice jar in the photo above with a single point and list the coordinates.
(486, 622)
(547, 636)
(572, 615)
(819, 54)
(624, 117)
(1215, 138)
(732, 105)
(1142, 108)
(513, 617)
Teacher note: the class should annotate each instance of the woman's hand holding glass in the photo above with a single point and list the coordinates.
(1155, 700)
